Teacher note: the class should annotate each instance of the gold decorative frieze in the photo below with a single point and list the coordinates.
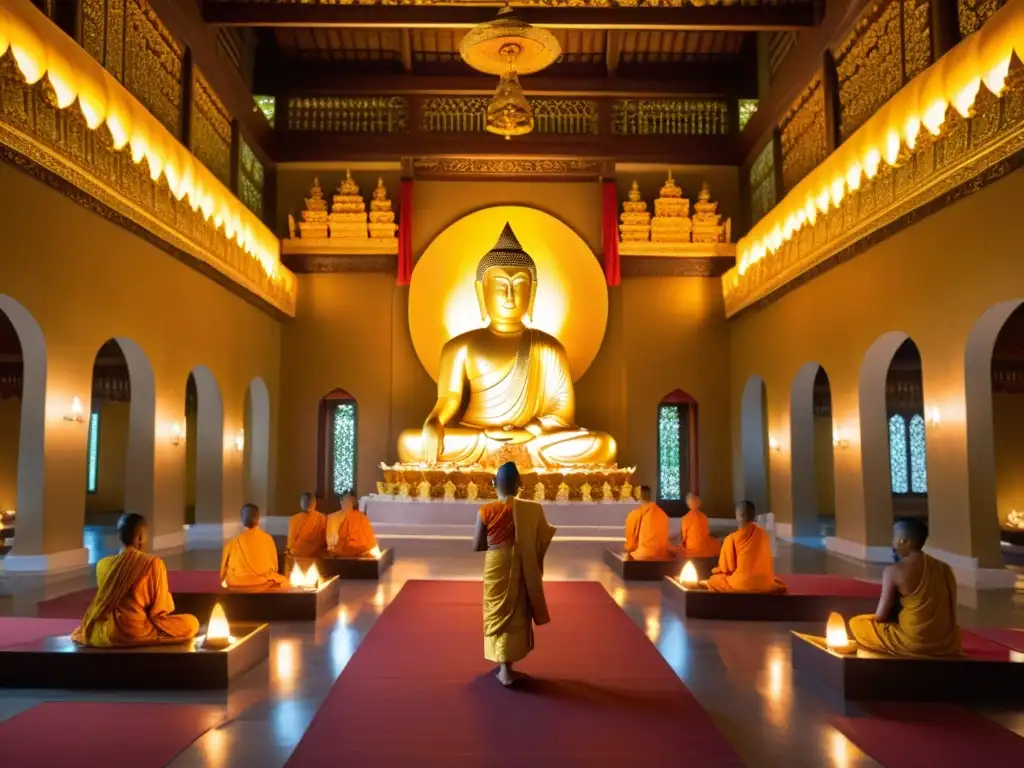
(250, 179)
(544, 3)
(211, 129)
(804, 143)
(349, 114)
(425, 167)
(468, 114)
(973, 14)
(917, 37)
(937, 171)
(670, 117)
(762, 183)
(42, 138)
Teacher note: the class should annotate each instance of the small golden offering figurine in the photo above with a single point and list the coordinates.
(423, 490)
(471, 491)
(538, 492)
(381, 488)
(606, 491)
(626, 491)
(403, 490)
(563, 492)
(636, 493)
(449, 491)
(585, 492)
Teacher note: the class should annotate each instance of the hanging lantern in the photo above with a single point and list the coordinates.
(509, 113)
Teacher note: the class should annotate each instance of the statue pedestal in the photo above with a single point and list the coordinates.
(394, 518)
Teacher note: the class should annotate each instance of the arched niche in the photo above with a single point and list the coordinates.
(678, 467)
(337, 445)
(256, 451)
(204, 420)
(754, 442)
(811, 446)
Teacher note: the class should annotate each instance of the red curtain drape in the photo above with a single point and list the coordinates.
(405, 232)
(610, 233)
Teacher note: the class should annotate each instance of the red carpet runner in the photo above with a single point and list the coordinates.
(112, 735)
(419, 692)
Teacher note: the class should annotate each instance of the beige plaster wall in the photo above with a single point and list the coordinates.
(932, 281)
(85, 280)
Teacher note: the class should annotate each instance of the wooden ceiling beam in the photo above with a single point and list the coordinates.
(738, 18)
(613, 50)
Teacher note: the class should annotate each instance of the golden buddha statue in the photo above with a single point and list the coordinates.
(505, 384)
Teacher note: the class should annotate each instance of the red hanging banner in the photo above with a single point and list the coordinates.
(405, 232)
(610, 233)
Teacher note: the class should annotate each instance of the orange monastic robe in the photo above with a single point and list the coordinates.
(306, 534)
(745, 564)
(249, 562)
(647, 533)
(349, 534)
(696, 539)
(133, 605)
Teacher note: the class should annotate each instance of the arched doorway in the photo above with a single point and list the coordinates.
(22, 412)
(904, 407)
(754, 443)
(256, 445)
(336, 446)
(120, 449)
(204, 448)
(677, 450)
(812, 439)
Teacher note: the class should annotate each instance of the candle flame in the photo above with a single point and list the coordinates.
(835, 632)
(218, 628)
(311, 579)
(296, 578)
(689, 574)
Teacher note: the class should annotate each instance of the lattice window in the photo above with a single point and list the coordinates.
(250, 179)
(344, 114)
(973, 14)
(747, 109)
(670, 117)
(669, 468)
(468, 114)
(908, 464)
(343, 448)
(804, 143)
(763, 195)
(93, 453)
(211, 129)
(268, 106)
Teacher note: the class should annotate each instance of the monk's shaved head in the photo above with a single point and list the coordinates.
(131, 530)
(250, 516)
(745, 511)
(349, 501)
(645, 493)
(693, 501)
(306, 501)
(506, 480)
(911, 530)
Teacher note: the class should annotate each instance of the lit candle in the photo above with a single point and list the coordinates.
(835, 634)
(218, 631)
(689, 575)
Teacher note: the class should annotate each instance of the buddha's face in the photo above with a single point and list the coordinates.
(506, 295)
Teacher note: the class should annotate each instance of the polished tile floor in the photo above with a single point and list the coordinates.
(740, 672)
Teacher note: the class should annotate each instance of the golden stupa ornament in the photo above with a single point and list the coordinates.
(509, 47)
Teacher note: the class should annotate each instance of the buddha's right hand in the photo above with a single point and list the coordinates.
(433, 439)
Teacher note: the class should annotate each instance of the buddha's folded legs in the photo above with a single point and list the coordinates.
(466, 446)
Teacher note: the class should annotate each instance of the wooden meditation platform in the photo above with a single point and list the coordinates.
(347, 567)
(809, 598)
(628, 569)
(987, 672)
(54, 661)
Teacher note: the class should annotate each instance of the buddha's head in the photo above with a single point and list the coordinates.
(506, 283)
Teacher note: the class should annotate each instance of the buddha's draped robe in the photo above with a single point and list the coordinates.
(696, 539)
(927, 619)
(647, 533)
(349, 534)
(745, 563)
(133, 605)
(307, 534)
(249, 562)
(518, 537)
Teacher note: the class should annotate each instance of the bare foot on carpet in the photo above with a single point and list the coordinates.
(505, 675)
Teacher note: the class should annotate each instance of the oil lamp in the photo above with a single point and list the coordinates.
(218, 631)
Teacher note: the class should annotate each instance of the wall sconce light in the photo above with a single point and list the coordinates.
(176, 434)
(838, 440)
(76, 412)
(240, 441)
(934, 416)
(773, 445)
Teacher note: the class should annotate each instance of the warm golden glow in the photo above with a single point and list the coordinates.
(689, 575)
(652, 623)
(311, 579)
(296, 578)
(619, 596)
(934, 416)
(375, 553)
(835, 633)
(571, 301)
(218, 631)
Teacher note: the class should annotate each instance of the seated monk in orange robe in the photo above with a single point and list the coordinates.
(249, 560)
(745, 563)
(307, 529)
(696, 539)
(133, 605)
(349, 533)
(647, 530)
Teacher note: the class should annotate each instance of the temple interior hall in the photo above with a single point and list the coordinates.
(497, 383)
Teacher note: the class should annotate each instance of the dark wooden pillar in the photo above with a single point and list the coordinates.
(780, 186)
(236, 159)
(188, 79)
(945, 27)
(830, 85)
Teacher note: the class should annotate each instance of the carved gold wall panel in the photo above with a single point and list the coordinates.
(917, 37)
(762, 184)
(349, 114)
(547, 3)
(127, 38)
(935, 173)
(250, 179)
(973, 14)
(210, 136)
(426, 167)
(468, 114)
(670, 117)
(804, 143)
(35, 133)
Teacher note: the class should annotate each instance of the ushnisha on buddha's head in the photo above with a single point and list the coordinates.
(506, 284)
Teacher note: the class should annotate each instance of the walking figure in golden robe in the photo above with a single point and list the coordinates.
(745, 562)
(696, 540)
(505, 384)
(647, 530)
(916, 614)
(307, 529)
(349, 533)
(515, 535)
(133, 605)
(249, 561)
